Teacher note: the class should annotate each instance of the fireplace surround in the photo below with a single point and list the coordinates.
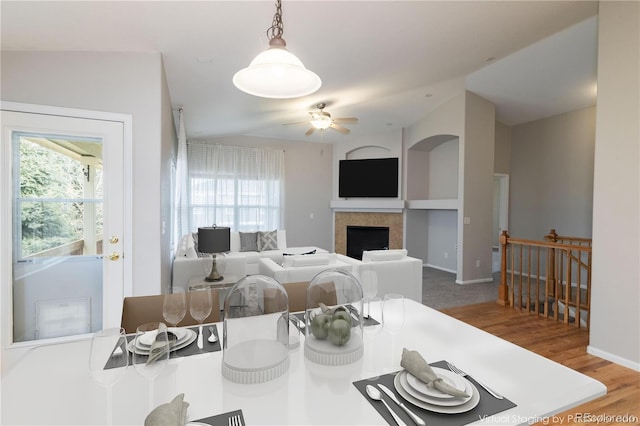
(393, 221)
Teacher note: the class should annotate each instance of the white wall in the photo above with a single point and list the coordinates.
(127, 83)
(615, 311)
(308, 179)
(552, 176)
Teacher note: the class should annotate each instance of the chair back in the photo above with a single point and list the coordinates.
(297, 295)
(138, 310)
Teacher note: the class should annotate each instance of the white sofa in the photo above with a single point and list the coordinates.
(300, 268)
(396, 272)
(238, 263)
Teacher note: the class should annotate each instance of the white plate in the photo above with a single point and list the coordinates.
(436, 408)
(447, 376)
(191, 337)
(149, 337)
(451, 402)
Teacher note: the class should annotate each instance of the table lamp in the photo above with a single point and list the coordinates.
(214, 239)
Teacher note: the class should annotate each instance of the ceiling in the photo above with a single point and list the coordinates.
(386, 62)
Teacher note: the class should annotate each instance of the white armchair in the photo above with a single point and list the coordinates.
(299, 268)
(397, 272)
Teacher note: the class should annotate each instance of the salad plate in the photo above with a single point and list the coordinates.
(447, 376)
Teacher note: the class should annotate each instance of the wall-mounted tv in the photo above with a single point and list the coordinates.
(370, 178)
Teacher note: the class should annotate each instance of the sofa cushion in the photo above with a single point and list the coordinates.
(267, 240)
(248, 241)
(383, 255)
(308, 260)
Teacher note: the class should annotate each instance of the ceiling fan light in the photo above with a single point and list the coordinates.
(321, 123)
(277, 73)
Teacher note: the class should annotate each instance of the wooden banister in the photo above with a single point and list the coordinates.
(523, 269)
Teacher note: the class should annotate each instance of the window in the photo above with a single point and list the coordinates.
(238, 187)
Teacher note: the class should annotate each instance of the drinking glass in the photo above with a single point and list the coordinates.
(174, 306)
(151, 349)
(369, 281)
(375, 315)
(200, 305)
(108, 361)
(393, 312)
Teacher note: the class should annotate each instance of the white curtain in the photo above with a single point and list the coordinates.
(239, 187)
(181, 202)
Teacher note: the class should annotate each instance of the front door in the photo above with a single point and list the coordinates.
(65, 186)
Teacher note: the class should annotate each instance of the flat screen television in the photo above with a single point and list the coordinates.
(370, 178)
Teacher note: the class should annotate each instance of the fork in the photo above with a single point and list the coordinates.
(235, 420)
(463, 374)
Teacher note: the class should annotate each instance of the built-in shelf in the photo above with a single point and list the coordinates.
(448, 204)
(368, 205)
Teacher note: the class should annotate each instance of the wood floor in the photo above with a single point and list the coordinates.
(568, 346)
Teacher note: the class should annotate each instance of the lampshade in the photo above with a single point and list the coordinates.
(214, 239)
(277, 73)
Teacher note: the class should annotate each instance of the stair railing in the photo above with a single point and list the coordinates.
(551, 278)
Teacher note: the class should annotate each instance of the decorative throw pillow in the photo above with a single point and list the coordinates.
(267, 240)
(248, 241)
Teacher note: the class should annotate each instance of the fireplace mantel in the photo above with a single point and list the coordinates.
(370, 205)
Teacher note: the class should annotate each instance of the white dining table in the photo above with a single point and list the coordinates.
(51, 384)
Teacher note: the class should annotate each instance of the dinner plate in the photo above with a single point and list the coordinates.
(149, 337)
(191, 337)
(436, 401)
(436, 408)
(447, 376)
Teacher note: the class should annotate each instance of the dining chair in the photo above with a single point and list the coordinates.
(138, 310)
(297, 295)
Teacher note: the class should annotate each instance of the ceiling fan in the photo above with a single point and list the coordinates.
(322, 120)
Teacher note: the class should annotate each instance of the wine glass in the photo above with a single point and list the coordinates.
(369, 283)
(108, 361)
(200, 305)
(151, 349)
(375, 320)
(393, 312)
(174, 306)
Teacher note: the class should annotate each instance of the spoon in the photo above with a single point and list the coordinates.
(375, 394)
(212, 338)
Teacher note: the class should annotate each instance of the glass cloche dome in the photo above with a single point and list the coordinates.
(333, 315)
(256, 333)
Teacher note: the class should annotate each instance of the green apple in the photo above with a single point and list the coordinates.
(339, 332)
(320, 326)
(342, 315)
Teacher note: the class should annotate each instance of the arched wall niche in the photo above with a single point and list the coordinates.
(432, 168)
(368, 151)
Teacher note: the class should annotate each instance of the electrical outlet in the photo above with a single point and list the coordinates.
(467, 220)
(477, 263)
(446, 255)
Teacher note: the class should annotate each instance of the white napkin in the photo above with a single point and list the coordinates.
(413, 362)
(160, 346)
(173, 413)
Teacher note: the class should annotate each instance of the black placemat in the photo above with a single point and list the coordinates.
(190, 349)
(220, 419)
(365, 321)
(487, 406)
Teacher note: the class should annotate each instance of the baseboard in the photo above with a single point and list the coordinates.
(613, 358)
(478, 281)
(440, 268)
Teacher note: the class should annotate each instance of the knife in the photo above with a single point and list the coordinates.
(411, 414)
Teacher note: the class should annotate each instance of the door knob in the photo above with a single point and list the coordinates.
(114, 256)
(113, 240)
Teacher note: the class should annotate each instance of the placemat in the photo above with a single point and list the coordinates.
(220, 419)
(487, 406)
(300, 316)
(191, 349)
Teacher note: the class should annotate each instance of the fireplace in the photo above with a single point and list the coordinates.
(360, 238)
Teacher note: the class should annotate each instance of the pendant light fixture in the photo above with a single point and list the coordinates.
(276, 72)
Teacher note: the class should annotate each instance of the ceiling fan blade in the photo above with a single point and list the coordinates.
(345, 120)
(311, 130)
(297, 122)
(340, 129)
